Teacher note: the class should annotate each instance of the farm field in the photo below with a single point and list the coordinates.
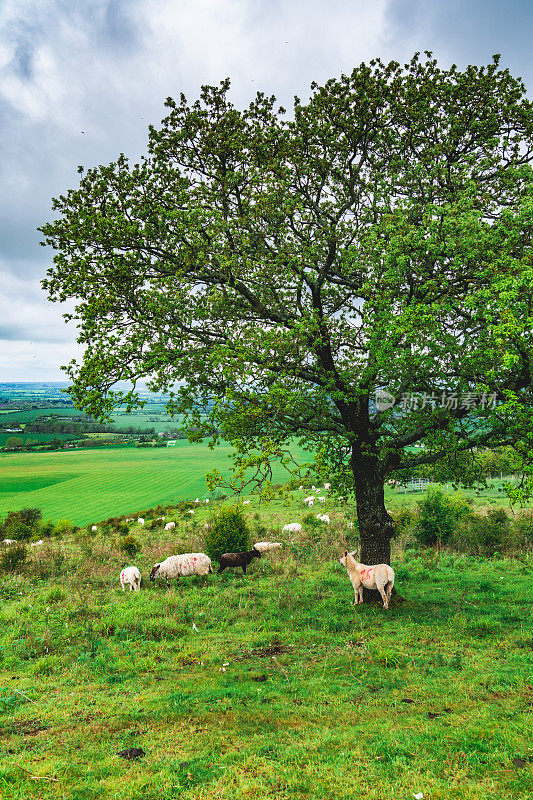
(93, 484)
(265, 685)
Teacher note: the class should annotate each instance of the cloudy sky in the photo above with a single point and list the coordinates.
(80, 80)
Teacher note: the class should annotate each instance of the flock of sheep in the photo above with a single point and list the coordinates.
(378, 576)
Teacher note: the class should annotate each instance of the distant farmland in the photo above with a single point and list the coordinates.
(90, 485)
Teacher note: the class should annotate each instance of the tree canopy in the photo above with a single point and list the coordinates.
(284, 270)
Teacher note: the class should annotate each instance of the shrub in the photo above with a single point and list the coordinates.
(438, 516)
(487, 534)
(28, 516)
(130, 545)
(404, 518)
(16, 529)
(523, 529)
(47, 529)
(228, 533)
(13, 558)
(65, 527)
(310, 521)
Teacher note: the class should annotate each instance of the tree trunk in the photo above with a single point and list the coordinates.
(376, 528)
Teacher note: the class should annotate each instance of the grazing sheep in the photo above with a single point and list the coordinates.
(94, 528)
(131, 576)
(190, 511)
(323, 518)
(326, 486)
(246, 502)
(301, 489)
(207, 501)
(309, 501)
(9, 541)
(321, 499)
(313, 488)
(170, 525)
(37, 544)
(183, 565)
(266, 547)
(158, 519)
(292, 527)
(238, 559)
(378, 576)
(140, 521)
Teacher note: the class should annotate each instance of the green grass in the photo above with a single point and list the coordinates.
(281, 689)
(106, 482)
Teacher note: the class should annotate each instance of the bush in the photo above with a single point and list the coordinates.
(13, 558)
(18, 530)
(228, 533)
(47, 529)
(130, 545)
(523, 529)
(65, 527)
(28, 516)
(310, 521)
(438, 516)
(488, 534)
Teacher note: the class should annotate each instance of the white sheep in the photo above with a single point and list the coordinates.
(321, 499)
(323, 518)
(309, 501)
(197, 500)
(292, 527)
(131, 576)
(207, 501)
(313, 488)
(378, 576)
(170, 525)
(326, 486)
(183, 565)
(9, 541)
(190, 511)
(266, 547)
(246, 502)
(94, 528)
(159, 519)
(301, 488)
(140, 521)
(37, 544)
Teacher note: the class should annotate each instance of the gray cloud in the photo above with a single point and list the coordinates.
(80, 80)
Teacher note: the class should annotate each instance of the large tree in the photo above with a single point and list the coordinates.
(281, 270)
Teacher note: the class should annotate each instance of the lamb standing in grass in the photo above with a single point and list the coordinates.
(182, 566)
(378, 576)
(170, 525)
(292, 527)
(267, 547)
(238, 559)
(131, 576)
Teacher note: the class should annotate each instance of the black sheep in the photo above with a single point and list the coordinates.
(238, 559)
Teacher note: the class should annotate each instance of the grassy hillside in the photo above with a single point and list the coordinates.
(269, 685)
(94, 484)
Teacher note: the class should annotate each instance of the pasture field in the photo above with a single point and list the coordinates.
(90, 485)
(265, 685)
